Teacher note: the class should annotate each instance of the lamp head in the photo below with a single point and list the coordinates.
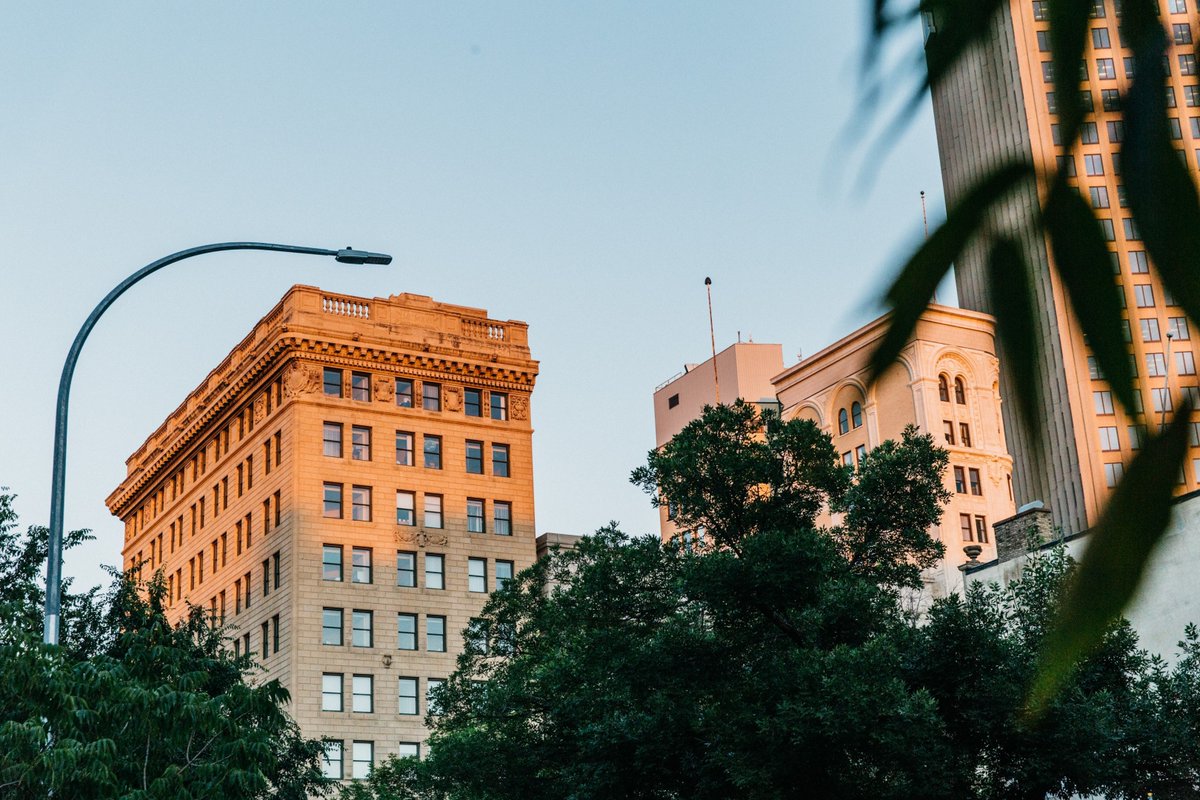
(351, 256)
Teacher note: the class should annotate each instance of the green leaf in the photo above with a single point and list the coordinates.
(1162, 196)
(1118, 550)
(1085, 266)
(1013, 305)
(1069, 23)
(911, 293)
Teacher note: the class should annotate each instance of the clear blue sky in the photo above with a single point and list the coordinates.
(580, 166)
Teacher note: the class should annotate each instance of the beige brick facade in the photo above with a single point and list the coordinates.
(231, 498)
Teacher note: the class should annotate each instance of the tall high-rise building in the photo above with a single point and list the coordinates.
(999, 103)
(342, 492)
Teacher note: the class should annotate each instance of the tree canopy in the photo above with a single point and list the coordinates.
(778, 660)
(132, 706)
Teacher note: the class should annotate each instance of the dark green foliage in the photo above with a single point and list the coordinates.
(1163, 201)
(130, 706)
(781, 667)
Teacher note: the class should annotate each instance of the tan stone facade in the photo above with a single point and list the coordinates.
(306, 490)
(947, 384)
(999, 104)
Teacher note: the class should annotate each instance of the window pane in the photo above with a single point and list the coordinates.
(406, 631)
(502, 518)
(332, 382)
(360, 386)
(504, 573)
(433, 452)
(333, 439)
(406, 508)
(473, 402)
(404, 449)
(362, 694)
(433, 511)
(331, 562)
(360, 443)
(500, 460)
(404, 393)
(435, 634)
(434, 571)
(406, 569)
(477, 575)
(407, 695)
(474, 515)
(474, 457)
(331, 692)
(331, 626)
(360, 571)
(333, 500)
(361, 631)
(361, 503)
(499, 404)
(431, 396)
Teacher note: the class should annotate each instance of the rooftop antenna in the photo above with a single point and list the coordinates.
(713, 338)
(925, 222)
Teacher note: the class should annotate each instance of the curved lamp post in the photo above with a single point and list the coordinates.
(54, 556)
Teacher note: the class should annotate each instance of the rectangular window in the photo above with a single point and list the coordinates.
(433, 511)
(976, 484)
(964, 431)
(474, 515)
(1043, 41)
(504, 574)
(435, 571)
(1139, 264)
(1100, 40)
(360, 565)
(1130, 230)
(1109, 441)
(1110, 100)
(981, 534)
(275, 632)
(360, 443)
(331, 562)
(1144, 295)
(860, 453)
(1161, 400)
(499, 460)
(477, 574)
(1137, 436)
(1113, 474)
(408, 750)
(406, 631)
(331, 761)
(499, 403)
(404, 448)
(1156, 365)
(1185, 363)
(1093, 164)
(1103, 402)
(360, 386)
(1107, 230)
(331, 691)
(1105, 69)
(333, 382)
(404, 393)
(363, 759)
(1088, 133)
(431, 396)
(406, 568)
(407, 696)
(1181, 33)
(275, 568)
(1150, 330)
(333, 501)
(1177, 327)
(406, 508)
(948, 431)
(266, 641)
(432, 446)
(360, 503)
(473, 402)
(1041, 10)
(502, 518)
(435, 633)
(362, 689)
(960, 480)
(474, 457)
(1099, 196)
(1177, 6)
(361, 629)
(331, 626)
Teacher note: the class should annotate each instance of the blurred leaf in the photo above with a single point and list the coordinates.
(1161, 193)
(1118, 550)
(1085, 266)
(1013, 307)
(1069, 23)
(914, 288)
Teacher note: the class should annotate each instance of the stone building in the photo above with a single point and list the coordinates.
(342, 492)
(946, 383)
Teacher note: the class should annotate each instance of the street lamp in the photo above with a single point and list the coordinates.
(50, 631)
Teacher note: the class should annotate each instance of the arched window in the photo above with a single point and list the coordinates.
(943, 389)
(856, 414)
(960, 392)
(843, 421)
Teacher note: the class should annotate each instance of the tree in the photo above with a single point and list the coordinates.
(132, 706)
(777, 660)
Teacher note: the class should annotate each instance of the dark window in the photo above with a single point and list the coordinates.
(981, 534)
(976, 484)
(965, 434)
(672, 401)
(943, 389)
(843, 421)
(960, 480)
(333, 500)
(960, 392)
(333, 382)
(499, 403)
(433, 451)
(474, 457)
(404, 393)
(473, 402)
(856, 414)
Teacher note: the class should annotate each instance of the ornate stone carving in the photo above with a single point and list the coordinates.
(301, 379)
(453, 398)
(421, 538)
(385, 388)
(260, 408)
(520, 407)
